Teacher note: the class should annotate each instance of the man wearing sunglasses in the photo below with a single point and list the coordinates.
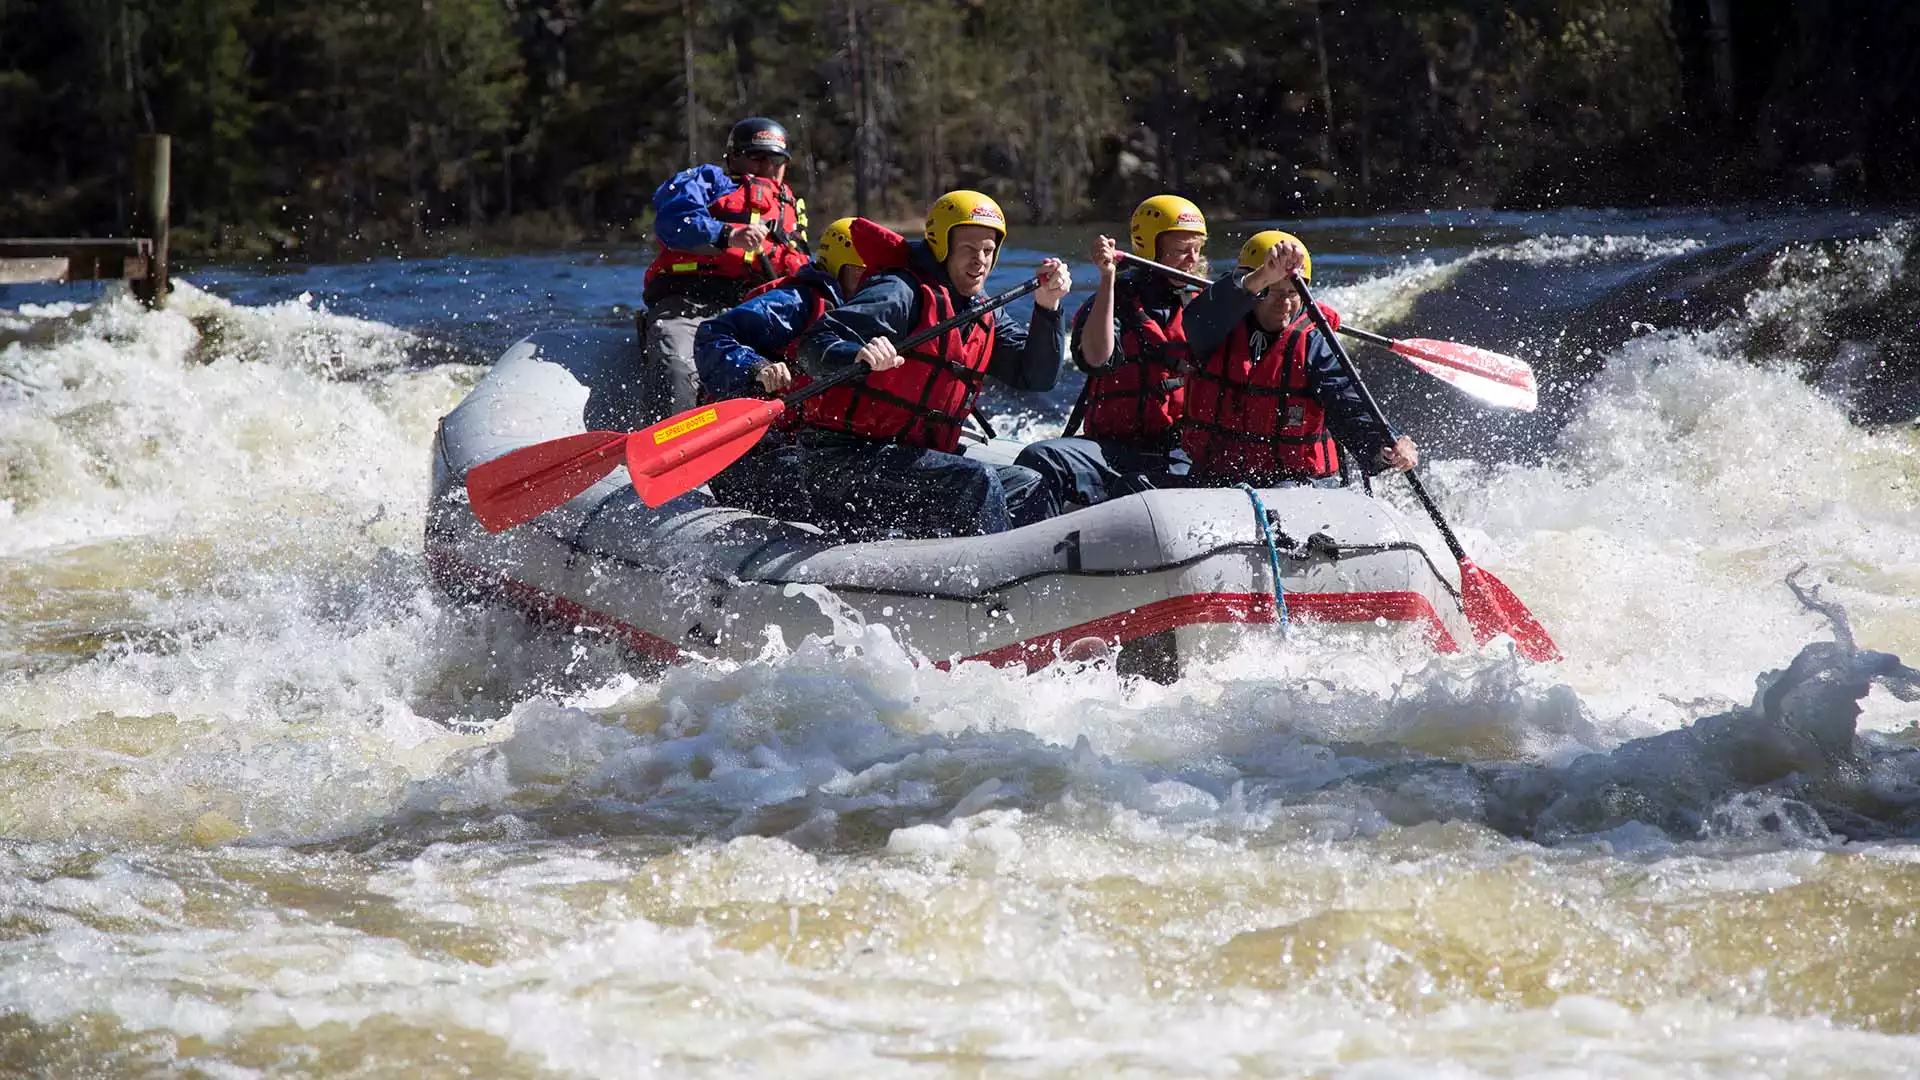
(722, 231)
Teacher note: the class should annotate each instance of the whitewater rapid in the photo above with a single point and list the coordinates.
(272, 806)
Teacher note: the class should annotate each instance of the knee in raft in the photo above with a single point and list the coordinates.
(1017, 480)
(1029, 496)
(1039, 458)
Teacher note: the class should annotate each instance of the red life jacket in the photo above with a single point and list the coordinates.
(924, 400)
(1254, 419)
(755, 199)
(1132, 400)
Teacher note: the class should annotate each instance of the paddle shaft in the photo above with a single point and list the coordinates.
(524, 493)
(856, 371)
(1346, 364)
(1079, 412)
(1369, 336)
(1194, 280)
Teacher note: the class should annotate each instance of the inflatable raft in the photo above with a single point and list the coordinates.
(1163, 576)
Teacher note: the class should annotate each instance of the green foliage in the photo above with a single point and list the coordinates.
(314, 125)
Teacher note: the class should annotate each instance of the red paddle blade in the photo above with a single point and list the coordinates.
(1495, 378)
(519, 486)
(682, 452)
(1491, 609)
(880, 248)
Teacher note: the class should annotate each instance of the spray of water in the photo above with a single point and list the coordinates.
(268, 794)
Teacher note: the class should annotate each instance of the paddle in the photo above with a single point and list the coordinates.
(1081, 403)
(1498, 379)
(705, 441)
(523, 484)
(1079, 412)
(1491, 608)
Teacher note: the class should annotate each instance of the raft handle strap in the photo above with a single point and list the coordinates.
(1273, 555)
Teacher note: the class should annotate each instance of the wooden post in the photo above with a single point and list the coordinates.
(153, 192)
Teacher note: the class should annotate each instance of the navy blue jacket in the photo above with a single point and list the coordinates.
(732, 347)
(1024, 357)
(1157, 295)
(1225, 308)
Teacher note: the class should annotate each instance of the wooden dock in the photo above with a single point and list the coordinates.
(139, 260)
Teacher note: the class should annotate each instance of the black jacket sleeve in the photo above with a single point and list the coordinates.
(1215, 312)
(883, 307)
(1080, 327)
(1352, 423)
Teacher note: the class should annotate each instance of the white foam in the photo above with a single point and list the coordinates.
(839, 858)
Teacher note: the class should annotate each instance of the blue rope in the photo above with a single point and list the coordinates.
(1273, 554)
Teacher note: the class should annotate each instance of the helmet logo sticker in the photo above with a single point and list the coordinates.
(986, 213)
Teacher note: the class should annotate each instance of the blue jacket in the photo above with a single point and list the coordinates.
(732, 347)
(1157, 296)
(680, 217)
(1024, 357)
(1222, 307)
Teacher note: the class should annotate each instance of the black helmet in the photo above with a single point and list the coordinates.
(758, 135)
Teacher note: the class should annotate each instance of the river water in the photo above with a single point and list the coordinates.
(273, 807)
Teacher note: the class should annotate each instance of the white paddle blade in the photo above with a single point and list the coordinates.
(1500, 380)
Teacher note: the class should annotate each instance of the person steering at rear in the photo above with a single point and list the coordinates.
(723, 231)
(750, 351)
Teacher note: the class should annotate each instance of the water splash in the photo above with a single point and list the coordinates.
(269, 799)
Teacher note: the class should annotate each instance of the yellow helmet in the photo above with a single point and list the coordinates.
(961, 208)
(1163, 213)
(1254, 251)
(836, 248)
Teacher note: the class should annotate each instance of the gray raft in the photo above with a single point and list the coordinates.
(1163, 575)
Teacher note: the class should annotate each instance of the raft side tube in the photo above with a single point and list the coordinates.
(691, 579)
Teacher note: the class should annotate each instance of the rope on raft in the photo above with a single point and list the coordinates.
(1273, 555)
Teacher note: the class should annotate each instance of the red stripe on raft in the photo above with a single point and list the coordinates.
(1204, 608)
(1196, 609)
(456, 575)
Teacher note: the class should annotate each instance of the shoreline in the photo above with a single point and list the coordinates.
(540, 233)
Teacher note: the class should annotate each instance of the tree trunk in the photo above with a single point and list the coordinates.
(1365, 165)
(1326, 86)
(475, 215)
(746, 76)
(1175, 138)
(878, 102)
(1043, 164)
(506, 180)
(686, 61)
(856, 56)
(869, 166)
(414, 195)
(1720, 50)
(810, 161)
